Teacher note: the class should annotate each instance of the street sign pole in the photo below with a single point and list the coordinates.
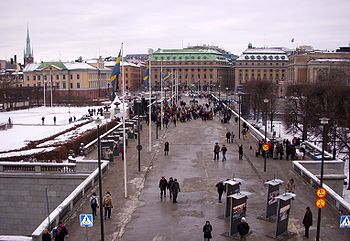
(87, 233)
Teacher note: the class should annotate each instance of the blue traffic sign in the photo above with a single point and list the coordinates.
(86, 220)
(345, 221)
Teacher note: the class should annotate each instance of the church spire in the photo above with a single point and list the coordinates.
(28, 51)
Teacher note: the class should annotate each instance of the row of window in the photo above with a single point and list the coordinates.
(185, 70)
(186, 76)
(180, 57)
(57, 77)
(188, 63)
(270, 70)
(258, 63)
(264, 57)
(264, 75)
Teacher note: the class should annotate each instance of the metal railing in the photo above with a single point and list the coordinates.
(65, 208)
(37, 167)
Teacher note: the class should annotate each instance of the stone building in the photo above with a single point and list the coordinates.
(268, 64)
(77, 79)
(195, 68)
(133, 75)
(309, 66)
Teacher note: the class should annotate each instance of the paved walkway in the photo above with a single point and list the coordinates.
(143, 216)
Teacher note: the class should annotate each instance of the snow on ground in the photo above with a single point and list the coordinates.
(26, 152)
(27, 124)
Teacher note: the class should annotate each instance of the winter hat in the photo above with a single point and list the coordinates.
(243, 220)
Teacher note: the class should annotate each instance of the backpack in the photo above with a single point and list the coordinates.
(93, 202)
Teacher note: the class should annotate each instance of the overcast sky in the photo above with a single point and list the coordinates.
(67, 29)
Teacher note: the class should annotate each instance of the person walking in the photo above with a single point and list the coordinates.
(228, 137)
(221, 188)
(307, 221)
(170, 184)
(232, 136)
(207, 229)
(223, 150)
(166, 148)
(54, 120)
(94, 204)
(108, 205)
(162, 186)
(240, 152)
(216, 151)
(243, 229)
(60, 232)
(43, 120)
(175, 190)
(290, 186)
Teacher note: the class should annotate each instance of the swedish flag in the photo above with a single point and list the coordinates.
(146, 78)
(114, 75)
(166, 75)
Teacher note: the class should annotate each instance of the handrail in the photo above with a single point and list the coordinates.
(37, 167)
(67, 205)
(92, 143)
(339, 202)
(256, 133)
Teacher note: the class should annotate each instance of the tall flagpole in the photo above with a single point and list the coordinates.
(172, 88)
(177, 88)
(124, 134)
(150, 101)
(161, 95)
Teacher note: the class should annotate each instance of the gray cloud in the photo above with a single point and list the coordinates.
(68, 29)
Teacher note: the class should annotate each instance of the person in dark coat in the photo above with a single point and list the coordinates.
(223, 150)
(175, 190)
(240, 152)
(221, 188)
(61, 232)
(162, 186)
(216, 151)
(243, 229)
(228, 137)
(46, 235)
(166, 148)
(207, 229)
(170, 184)
(307, 221)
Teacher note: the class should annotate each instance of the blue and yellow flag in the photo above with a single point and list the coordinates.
(166, 75)
(146, 78)
(114, 75)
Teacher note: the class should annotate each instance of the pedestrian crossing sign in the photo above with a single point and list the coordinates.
(86, 220)
(345, 221)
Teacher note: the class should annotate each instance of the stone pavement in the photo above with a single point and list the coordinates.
(144, 216)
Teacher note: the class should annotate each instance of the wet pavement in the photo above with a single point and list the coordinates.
(144, 216)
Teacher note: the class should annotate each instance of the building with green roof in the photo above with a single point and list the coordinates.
(194, 67)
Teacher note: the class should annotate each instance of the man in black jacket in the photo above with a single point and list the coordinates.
(307, 221)
(221, 189)
(162, 186)
(175, 188)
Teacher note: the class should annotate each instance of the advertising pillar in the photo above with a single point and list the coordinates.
(232, 187)
(273, 187)
(283, 209)
(238, 210)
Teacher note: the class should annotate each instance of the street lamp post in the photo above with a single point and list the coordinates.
(98, 121)
(265, 101)
(226, 95)
(324, 122)
(239, 114)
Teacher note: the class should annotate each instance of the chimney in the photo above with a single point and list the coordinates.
(15, 58)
